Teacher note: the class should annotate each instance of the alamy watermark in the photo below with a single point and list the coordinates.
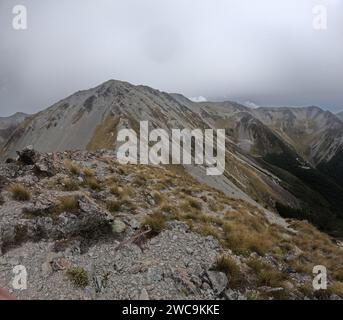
(320, 18)
(158, 147)
(19, 281)
(319, 22)
(320, 278)
(19, 21)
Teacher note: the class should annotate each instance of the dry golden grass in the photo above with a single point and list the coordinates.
(92, 183)
(317, 249)
(19, 192)
(170, 209)
(72, 167)
(265, 274)
(158, 198)
(190, 205)
(115, 206)
(123, 193)
(156, 222)
(68, 204)
(139, 181)
(88, 172)
(215, 206)
(70, 185)
(230, 267)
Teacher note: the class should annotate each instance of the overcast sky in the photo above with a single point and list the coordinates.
(262, 52)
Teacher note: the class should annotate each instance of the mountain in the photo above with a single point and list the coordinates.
(280, 160)
(315, 134)
(9, 124)
(340, 115)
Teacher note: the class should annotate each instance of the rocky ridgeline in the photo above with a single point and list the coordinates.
(86, 227)
(111, 263)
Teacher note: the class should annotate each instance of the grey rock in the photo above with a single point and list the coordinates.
(218, 281)
(155, 274)
(234, 295)
(143, 295)
(27, 156)
(118, 226)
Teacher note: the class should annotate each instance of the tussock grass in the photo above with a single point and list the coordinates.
(92, 183)
(123, 193)
(115, 206)
(78, 276)
(19, 192)
(88, 172)
(70, 185)
(230, 267)
(68, 204)
(266, 275)
(156, 222)
(158, 198)
(72, 167)
(139, 181)
(190, 205)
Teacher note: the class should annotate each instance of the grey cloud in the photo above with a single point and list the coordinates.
(262, 51)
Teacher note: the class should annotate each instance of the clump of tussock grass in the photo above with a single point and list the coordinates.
(78, 276)
(170, 209)
(70, 185)
(92, 183)
(19, 192)
(68, 204)
(123, 193)
(265, 274)
(139, 181)
(115, 206)
(230, 267)
(190, 204)
(88, 172)
(215, 206)
(156, 222)
(158, 198)
(72, 167)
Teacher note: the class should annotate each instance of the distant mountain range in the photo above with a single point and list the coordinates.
(284, 159)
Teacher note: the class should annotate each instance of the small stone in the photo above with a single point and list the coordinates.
(155, 274)
(234, 295)
(118, 226)
(143, 295)
(189, 250)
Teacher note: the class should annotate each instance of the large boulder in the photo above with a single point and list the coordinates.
(28, 156)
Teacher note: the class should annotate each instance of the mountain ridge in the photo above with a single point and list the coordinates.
(258, 141)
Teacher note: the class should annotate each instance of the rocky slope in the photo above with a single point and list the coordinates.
(315, 134)
(281, 159)
(86, 227)
(340, 115)
(9, 124)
